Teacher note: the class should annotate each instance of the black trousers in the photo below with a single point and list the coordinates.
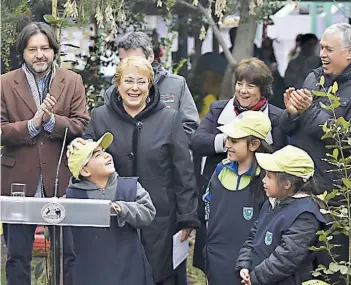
(179, 278)
(19, 241)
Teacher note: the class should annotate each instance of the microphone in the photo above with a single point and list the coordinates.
(59, 163)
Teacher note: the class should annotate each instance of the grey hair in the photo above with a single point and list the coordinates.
(32, 29)
(134, 40)
(345, 31)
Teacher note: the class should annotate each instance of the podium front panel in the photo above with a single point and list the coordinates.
(55, 211)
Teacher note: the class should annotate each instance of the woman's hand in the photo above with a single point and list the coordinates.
(245, 276)
(185, 234)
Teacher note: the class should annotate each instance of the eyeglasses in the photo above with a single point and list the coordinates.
(34, 51)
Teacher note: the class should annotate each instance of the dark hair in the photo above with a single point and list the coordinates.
(298, 38)
(134, 40)
(254, 71)
(305, 38)
(298, 184)
(257, 191)
(32, 29)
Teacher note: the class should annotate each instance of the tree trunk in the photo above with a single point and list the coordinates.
(243, 47)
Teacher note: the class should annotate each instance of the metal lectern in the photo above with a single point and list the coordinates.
(55, 212)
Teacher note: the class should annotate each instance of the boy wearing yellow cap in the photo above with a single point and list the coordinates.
(277, 251)
(112, 255)
(234, 195)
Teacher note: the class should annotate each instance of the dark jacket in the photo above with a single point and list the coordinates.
(153, 147)
(277, 250)
(174, 92)
(203, 144)
(306, 129)
(113, 255)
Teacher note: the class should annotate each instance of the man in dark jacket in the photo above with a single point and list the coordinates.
(173, 88)
(304, 116)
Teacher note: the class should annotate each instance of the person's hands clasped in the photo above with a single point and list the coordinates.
(47, 106)
(301, 99)
(38, 118)
(297, 101)
(245, 276)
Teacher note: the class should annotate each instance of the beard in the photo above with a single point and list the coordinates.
(39, 67)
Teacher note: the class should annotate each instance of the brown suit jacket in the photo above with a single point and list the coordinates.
(23, 157)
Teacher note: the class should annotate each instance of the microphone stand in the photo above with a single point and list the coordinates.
(57, 243)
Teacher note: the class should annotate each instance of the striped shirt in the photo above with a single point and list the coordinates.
(49, 126)
(39, 89)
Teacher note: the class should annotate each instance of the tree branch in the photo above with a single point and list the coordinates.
(216, 31)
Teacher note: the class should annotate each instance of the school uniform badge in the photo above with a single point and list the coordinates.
(248, 213)
(268, 238)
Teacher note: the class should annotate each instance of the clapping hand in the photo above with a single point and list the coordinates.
(47, 106)
(297, 101)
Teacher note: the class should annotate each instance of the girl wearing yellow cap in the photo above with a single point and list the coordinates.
(234, 195)
(277, 250)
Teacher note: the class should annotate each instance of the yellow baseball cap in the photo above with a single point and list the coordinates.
(248, 123)
(79, 157)
(289, 159)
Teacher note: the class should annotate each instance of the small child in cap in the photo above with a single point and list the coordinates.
(112, 255)
(277, 251)
(234, 195)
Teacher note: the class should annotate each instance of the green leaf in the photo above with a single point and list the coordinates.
(316, 274)
(334, 267)
(323, 105)
(314, 248)
(325, 127)
(333, 106)
(50, 19)
(314, 282)
(335, 87)
(336, 153)
(331, 195)
(65, 23)
(343, 123)
(333, 98)
(347, 182)
(46, 233)
(321, 81)
(319, 93)
(39, 269)
(344, 269)
(322, 238)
